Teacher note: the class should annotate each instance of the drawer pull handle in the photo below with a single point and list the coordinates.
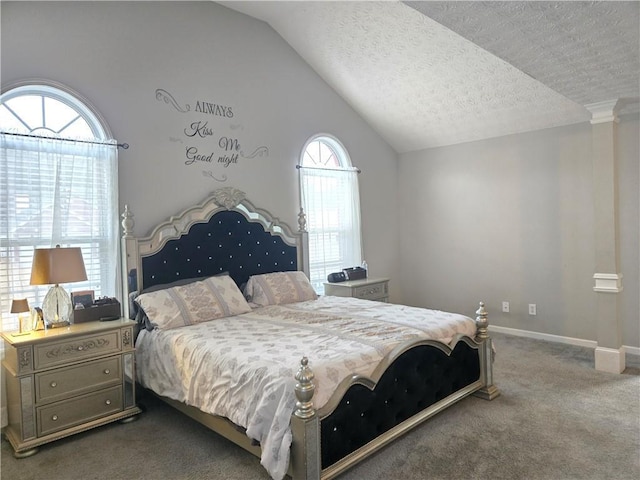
(108, 402)
(370, 292)
(107, 371)
(53, 384)
(54, 418)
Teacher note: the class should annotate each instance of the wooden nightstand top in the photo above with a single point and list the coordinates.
(359, 283)
(61, 332)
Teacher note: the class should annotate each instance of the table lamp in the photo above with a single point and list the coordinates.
(55, 266)
(20, 306)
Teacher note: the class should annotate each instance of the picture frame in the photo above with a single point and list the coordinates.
(82, 297)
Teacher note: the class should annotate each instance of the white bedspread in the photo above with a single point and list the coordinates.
(243, 367)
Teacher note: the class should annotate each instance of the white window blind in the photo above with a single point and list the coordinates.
(54, 191)
(331, 200)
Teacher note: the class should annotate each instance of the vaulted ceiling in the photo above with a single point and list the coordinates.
(427, 74)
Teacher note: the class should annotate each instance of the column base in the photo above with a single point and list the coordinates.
(487, 393)
(610, 360)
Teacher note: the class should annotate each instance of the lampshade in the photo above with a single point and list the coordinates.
(54, 266)
(57, 265)
(19, 306)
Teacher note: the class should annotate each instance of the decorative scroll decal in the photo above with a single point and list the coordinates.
(203, 141)
(260, 151)
(209, 173)
(168, 98)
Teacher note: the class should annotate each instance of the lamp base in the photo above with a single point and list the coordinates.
(57, 308)
(57, 324)
(25, 325)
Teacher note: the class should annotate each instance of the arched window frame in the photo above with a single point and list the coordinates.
(331, 199)
(80, 169)
(98, 125)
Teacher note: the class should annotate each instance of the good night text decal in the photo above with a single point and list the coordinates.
(203, 145)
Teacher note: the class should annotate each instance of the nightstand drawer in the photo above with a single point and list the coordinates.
(66, 382)
(69, 413)
(56, 353)
(371, 292)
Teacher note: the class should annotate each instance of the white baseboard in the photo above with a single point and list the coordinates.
(631, 350)
(544, 336)
(557, 338)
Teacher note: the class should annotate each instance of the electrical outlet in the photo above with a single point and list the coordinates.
(505, 307)
(532, 309)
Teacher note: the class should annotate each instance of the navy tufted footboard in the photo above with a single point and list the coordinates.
(417, 379)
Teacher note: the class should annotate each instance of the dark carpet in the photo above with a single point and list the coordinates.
(557, 418)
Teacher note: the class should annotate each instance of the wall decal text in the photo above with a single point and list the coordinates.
(202, 144)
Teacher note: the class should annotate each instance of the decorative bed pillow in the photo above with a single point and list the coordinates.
(134, 309)
(196, 302)
(137, 313)
(279, 288)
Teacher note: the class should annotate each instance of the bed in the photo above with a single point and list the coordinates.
(233, 335)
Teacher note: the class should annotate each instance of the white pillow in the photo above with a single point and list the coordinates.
(279, 288)
(197, 302)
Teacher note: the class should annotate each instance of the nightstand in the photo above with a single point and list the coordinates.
(369, 289)
(67, 380)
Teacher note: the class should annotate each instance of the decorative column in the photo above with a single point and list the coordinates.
(609, 354)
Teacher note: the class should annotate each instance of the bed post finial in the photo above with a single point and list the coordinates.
(482, 324)
(127, 222)
(302, 221)
(305, 389)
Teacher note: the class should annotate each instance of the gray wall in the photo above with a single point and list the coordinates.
(511, 219)
(503, 219)
(117, 54)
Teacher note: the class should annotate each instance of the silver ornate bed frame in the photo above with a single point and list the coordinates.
(306, 421)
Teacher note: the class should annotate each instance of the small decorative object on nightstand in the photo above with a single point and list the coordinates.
(55, 266)
(21, 306)
(369, 289)
(67, 380)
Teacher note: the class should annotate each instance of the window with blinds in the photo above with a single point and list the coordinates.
(331, 200)
(58, 178)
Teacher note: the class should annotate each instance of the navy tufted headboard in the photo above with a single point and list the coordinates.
(224, 233)
(228, 242)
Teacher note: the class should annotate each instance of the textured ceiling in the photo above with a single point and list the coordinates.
(426, 74)
(587, 51)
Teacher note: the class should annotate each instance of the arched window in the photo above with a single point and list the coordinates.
(58, 185)
(331, 200)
